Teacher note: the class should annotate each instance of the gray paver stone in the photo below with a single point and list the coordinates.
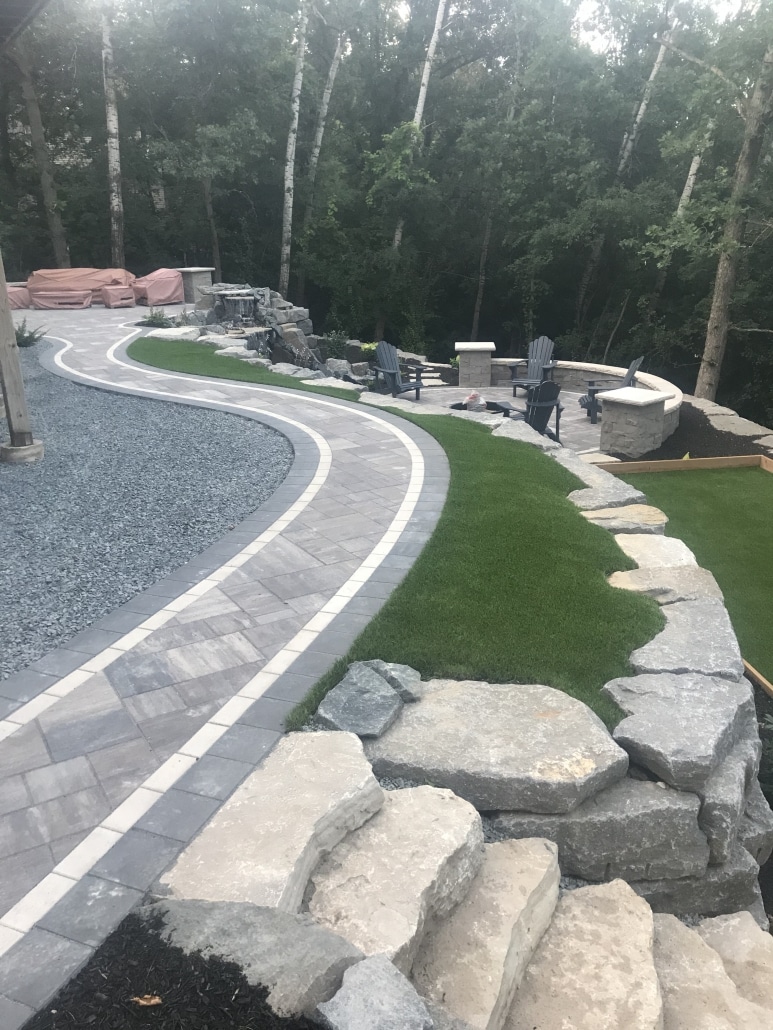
(362, 703)
(633, 830)
(375, 996)
(402, 678)
(300, 962)
(698, 638)
(755, 829)
(724, 796)
(668, 584)
(723, 888)
(680, 726)
(520, 747)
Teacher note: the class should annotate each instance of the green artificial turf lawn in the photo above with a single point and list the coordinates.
(725, 516)
(199, 360)
(511, 587)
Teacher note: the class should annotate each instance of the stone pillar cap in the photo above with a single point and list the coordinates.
(475, 346)
(633, 395)
(196, 269)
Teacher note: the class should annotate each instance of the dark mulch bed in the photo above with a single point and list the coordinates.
(196, 993)
(697, 437)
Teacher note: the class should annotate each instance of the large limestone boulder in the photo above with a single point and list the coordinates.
(653, 552)
(261, 846)
(632, 518)
(375, 996)
(594, 967)
(633, 830)
(755, 829)
(602, 489)
(474, 960)
(181, 332)
(669, 583)
(697, 992)
(724, 888)
(698, 637)
(680, 726)
(501, 746)
(724, 795)
(746, 952)
(301, 963)
(412, 862)
(523, 433)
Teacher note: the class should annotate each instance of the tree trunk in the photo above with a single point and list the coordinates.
(292, 138)
(756, 119)
(11, 381)
(616, 327)
(206, 185)
(315, 150)
(623, 164)
(481, 277)
(6, 162)
(113, 145)
(42, 159)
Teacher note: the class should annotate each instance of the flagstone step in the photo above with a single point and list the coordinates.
(697, 991)
(594, 968)
(413, 861)
(261, 846)
(474, 960)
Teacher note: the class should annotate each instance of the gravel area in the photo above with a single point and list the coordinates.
(129, 490)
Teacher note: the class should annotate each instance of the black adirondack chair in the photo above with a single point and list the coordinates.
(388, 366)
(539, 365)
(590, 400)
(541, 402)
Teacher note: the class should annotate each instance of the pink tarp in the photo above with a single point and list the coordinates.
(164, 286)
(55, 280)
(53, 300)
(18, 297)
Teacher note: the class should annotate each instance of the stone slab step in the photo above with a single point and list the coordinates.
(603, 490)
(697, 992)
(261, 846)
(650, 551)
(698, 638)
(594, 968)
(474, 960)
(746, 952)
(414, 861)
(632, 518)
(669, 583)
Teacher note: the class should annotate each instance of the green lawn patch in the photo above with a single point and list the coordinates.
(725, 517)
(511, 587)
(199, 360)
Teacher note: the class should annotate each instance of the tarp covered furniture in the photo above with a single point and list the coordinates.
(164, 286)
(53, 300)
(118, 296)
(18, 297)
(77, 280)
(539, 364)
(388, 366)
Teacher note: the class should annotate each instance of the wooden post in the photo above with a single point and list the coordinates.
(22, 446)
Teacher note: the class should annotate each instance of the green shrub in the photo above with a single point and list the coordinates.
(157, 319)
(28, 337)
(336, 344)
(368, 351)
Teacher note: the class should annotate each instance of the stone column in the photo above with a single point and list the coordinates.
(632, 421)
(192, 279)
(475, 364)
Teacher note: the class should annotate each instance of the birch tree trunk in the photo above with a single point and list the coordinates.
(292, 139)
(316, 148)
(481, 278)
(757, 116)
(623, 164)
(42, 159)
(113, 145)
(206, 185)
(424, 86)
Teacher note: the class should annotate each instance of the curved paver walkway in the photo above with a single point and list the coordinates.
(116, 749)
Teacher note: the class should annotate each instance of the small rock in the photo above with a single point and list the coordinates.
(375, 996)
(698, 638)
(668, 584)
(360, 368)
(402, 678)
(632, 518)
(650, 551)
(746, 952)
(339, 366)
(362, 703)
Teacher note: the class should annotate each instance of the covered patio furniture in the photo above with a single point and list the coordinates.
(118, 296)
(77, 280)
(164, 286)
(55, 300)
(595, 386)
(540, 404)
(388, 367)
(539, 365)
(18, 297)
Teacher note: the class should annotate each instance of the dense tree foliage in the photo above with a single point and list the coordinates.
(552, 186)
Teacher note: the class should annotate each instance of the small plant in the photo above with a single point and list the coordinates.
(368, 351)
(454, 363)
(336, 344)
(28, 337)
(157, 319)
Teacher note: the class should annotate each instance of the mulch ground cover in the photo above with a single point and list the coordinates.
(697, 437)
(135, 965)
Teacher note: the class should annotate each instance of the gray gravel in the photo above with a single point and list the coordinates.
(129, 490)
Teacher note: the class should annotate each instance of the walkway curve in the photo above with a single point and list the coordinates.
(116, 749)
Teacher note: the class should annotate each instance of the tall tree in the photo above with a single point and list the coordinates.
(45, 167)
(114, 178)
(292, 139)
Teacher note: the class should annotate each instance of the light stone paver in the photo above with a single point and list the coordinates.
(199, 671)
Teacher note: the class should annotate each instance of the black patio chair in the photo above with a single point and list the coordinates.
(541, 402)
(539, 365)
(388, 366)
(590, 400)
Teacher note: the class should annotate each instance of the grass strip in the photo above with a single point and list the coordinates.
(511, 587)
(724, 516)
(199, 360)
